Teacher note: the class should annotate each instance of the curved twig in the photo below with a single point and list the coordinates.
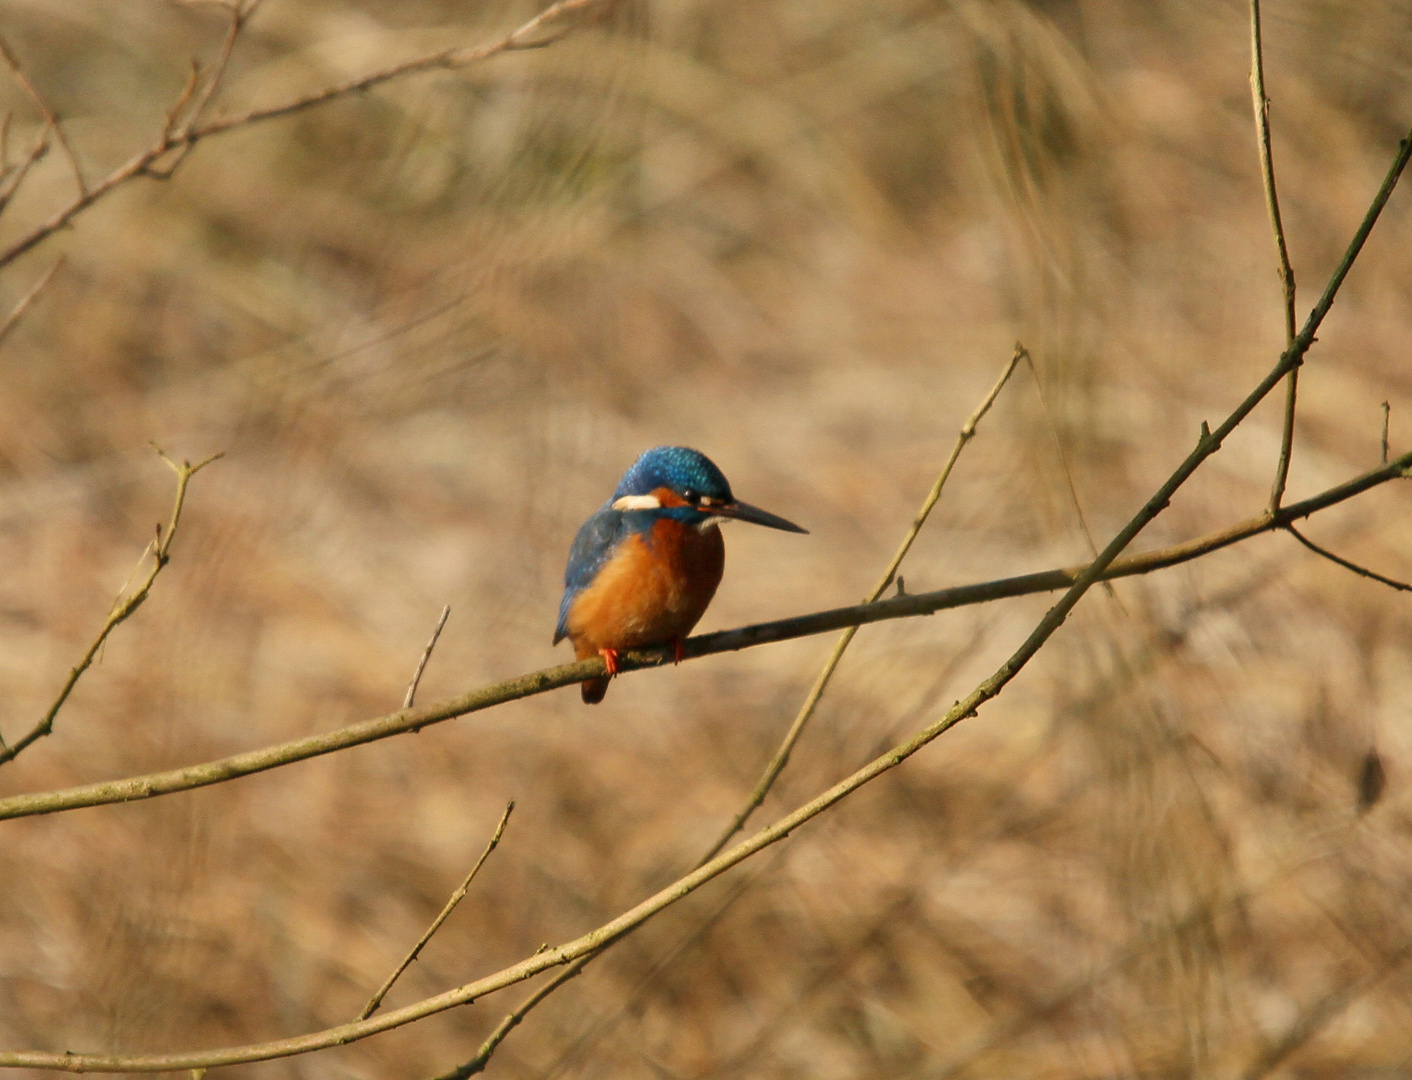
(1361, 571)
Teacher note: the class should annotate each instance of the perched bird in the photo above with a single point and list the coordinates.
(644, 567)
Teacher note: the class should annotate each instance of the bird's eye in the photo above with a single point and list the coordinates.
(691, 497)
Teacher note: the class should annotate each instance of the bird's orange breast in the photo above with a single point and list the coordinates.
(652, 591)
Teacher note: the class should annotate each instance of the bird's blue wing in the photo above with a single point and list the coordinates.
(594, 545)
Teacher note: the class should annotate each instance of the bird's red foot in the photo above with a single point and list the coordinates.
(678, 650)
(610, 660)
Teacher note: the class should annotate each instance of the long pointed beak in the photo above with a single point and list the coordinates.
(743, 511)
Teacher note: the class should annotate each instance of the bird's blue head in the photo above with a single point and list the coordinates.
(686, 473)
(684, 484)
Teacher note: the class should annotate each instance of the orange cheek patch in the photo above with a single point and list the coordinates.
(668, 497)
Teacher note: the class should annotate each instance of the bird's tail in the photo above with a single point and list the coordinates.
(594, 689)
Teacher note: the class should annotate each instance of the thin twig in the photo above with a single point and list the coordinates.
(514, 1018)
(123, 608)
(12, 178)
(1261, 104)
(456, 897)
(1208, 443)
(745, 637)
(1361, 571)
(426, 655)
(18, 311)
(51, 119)
(821, 682)
(1387, 419)
(178, 139)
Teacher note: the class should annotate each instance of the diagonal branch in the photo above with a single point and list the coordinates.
(796, 729)
(18, 311)
(1272, 205)
(426, 656)
(539, 682)
(456, 897)
(123, 607)
(178, 139)
(51, 119)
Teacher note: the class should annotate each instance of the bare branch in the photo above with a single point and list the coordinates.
(240, 14)
(816, 692)
(426, 655)
(1361, 571)
(456, 897)
(51, 119)
(1261, 104)
(539, 682)
(18, 311)
(123, 608)
(177, 139)
(1208, 443)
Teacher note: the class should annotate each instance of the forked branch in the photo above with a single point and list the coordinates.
(183, 130)
(123, 608)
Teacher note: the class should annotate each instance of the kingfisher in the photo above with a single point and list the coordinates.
(644, 567)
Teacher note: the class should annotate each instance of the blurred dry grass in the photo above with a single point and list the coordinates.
(431, 325)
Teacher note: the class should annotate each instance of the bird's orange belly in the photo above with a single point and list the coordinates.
(654, 590)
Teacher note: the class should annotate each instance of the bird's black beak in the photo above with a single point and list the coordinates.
(742, 511)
